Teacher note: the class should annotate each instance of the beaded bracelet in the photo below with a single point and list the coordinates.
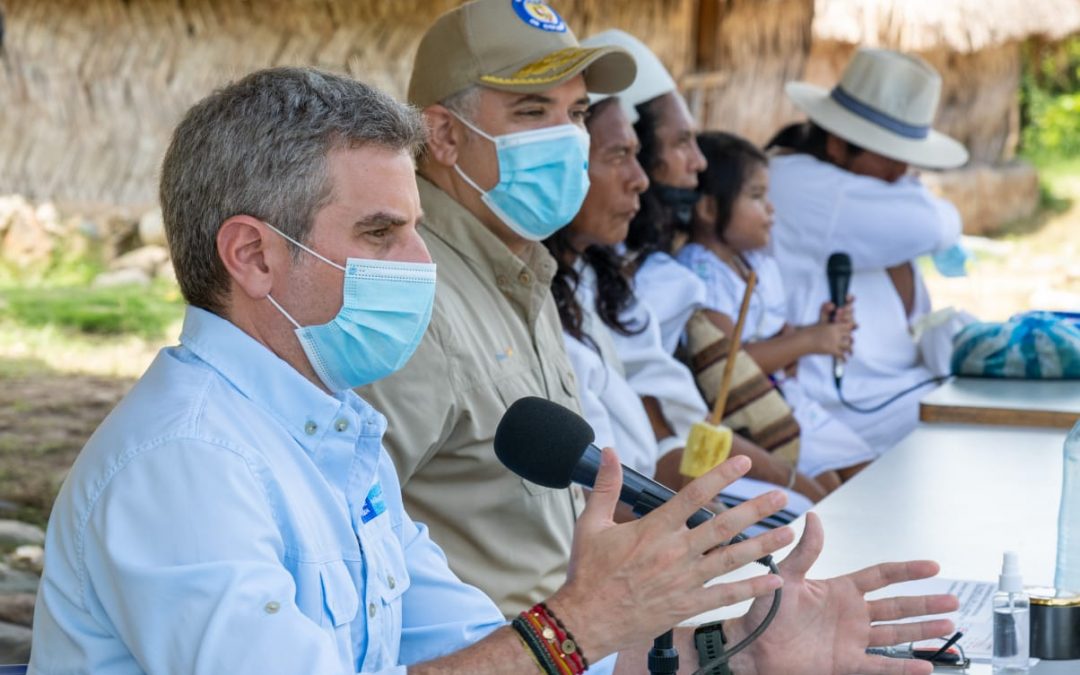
(540, 653)
(553, 646)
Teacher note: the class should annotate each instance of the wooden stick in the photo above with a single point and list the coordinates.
(717, 414)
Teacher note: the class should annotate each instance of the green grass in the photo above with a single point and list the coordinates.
(1059, 185)
(125, 310)
(1057, 172)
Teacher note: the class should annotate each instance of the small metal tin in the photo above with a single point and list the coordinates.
(1055, 624)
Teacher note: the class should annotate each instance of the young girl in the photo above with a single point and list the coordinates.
(599, 309)
(729, 233)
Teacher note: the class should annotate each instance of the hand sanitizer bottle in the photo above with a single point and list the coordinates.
(1012, 632)
(1067, 572)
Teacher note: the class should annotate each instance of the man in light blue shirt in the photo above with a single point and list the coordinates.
(237, 514)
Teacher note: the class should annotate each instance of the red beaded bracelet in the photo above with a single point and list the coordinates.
(567, 645)
(560, 646)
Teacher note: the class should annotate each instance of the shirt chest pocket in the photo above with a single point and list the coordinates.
(326, 593)
(514, 387)
(340, 599)
(387, 579)
(389, 576)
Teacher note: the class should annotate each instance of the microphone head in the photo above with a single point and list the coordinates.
(542, 441)
(838, 270)
(839, 265)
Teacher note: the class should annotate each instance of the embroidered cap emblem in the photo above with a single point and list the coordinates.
(539, 15)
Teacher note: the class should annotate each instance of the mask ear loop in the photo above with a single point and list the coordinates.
(305, 248)
(472, 126)
(481, 133)
(311, 251)
(282, 310)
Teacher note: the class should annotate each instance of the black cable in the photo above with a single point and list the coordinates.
(756, 633)
(851, 406)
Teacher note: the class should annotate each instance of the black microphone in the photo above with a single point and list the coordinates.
(552, 446)
(838, 270)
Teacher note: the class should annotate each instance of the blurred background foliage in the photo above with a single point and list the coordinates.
(1050, 102)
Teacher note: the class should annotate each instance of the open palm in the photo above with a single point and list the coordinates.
(824, 626)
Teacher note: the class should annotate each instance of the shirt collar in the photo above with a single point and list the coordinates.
(305, 410)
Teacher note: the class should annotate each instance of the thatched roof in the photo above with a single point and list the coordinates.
(92, 88)
(958, 25)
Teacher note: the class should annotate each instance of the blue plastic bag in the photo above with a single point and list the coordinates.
(1035, 346)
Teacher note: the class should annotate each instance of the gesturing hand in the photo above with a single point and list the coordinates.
(630, 582)
(824, 626)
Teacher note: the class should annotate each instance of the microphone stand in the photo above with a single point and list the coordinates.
(663, 657)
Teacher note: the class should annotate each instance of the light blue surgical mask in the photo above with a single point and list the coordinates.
(385, 309)
(543, 178)
(953, 261)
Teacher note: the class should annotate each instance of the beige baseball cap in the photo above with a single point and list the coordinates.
(511, 45)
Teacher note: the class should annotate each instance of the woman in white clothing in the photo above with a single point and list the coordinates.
(597, 307)
(728, 234)
(669, 154)
(842, 184)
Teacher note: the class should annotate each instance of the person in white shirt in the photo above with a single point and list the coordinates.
(669, 155)
(842, 184)
(729, 231)
(598, 308)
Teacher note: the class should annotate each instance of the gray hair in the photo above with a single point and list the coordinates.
(465, 102)
(259, 147)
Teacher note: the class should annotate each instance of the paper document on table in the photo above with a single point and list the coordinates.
(975, 617)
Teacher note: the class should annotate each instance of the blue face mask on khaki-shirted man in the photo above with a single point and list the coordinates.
(385, 309)
(543, 178)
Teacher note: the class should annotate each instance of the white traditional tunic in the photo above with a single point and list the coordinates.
(608, 402)
(826, 444)
(611, 387)
(673, 294)
(821, 209)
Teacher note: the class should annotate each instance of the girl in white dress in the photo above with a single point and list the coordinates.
(729, 232)
(598, 308)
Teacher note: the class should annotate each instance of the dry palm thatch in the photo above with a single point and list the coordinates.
(974, 44)
(747, 50)
(92, 88)
(962, 26)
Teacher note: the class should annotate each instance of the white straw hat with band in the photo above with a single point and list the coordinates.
(885, 102)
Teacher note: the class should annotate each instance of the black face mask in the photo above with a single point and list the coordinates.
(681, 201)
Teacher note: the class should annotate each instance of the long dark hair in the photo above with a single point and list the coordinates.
(614, 291)
(655, 224)
(731, 159)
(807, 138)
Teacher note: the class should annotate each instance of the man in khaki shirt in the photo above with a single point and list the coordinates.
(502, 67)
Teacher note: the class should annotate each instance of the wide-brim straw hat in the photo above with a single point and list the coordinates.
(885, 103)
